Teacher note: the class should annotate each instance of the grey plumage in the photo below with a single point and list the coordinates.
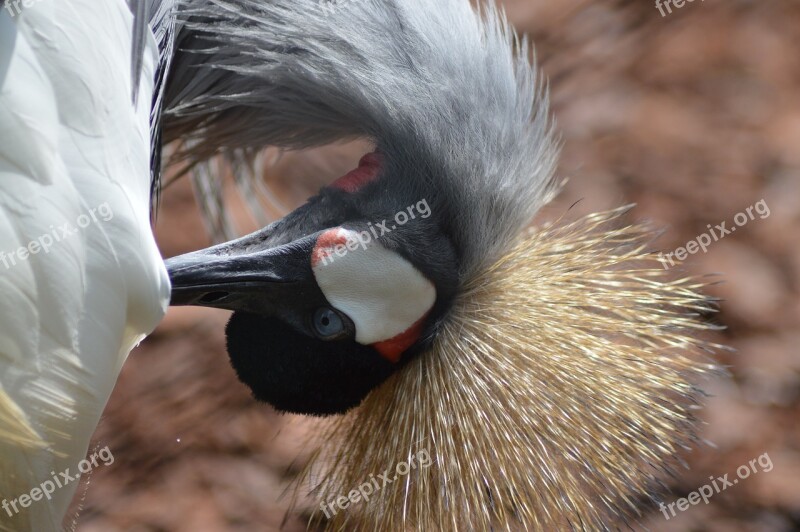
(140, 21)
(431, 84)
(158, 17)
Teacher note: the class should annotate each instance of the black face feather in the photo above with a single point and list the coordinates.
(298, 373)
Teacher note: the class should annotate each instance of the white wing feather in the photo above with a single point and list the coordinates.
(70, 142)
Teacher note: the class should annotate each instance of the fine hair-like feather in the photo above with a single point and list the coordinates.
(556, 397)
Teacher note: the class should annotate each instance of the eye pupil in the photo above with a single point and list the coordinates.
(327, 323)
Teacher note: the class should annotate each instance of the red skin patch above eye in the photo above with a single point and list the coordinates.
(368, 169)
(326, 244)
(393, 348)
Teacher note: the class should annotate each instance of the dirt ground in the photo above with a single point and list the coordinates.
(694, 116)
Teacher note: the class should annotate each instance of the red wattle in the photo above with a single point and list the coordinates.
(394, 347)
(368, 168)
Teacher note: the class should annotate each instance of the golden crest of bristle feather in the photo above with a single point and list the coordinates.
(557, 394)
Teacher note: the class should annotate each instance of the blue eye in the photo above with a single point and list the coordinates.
(327, 323)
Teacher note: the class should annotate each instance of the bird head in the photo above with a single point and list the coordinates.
(464, 155)
(333, 298)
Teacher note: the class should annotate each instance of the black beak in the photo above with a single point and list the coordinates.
(230, 276)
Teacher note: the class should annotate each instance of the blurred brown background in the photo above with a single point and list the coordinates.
(695, 116)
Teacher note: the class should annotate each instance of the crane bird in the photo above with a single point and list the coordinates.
(549, 373)
(82, 279)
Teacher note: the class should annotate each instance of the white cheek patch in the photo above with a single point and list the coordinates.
(378, 289)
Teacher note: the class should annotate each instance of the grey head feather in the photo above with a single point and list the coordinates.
(140, 21)
(449, 90)
(158, 17)
(164, 25)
